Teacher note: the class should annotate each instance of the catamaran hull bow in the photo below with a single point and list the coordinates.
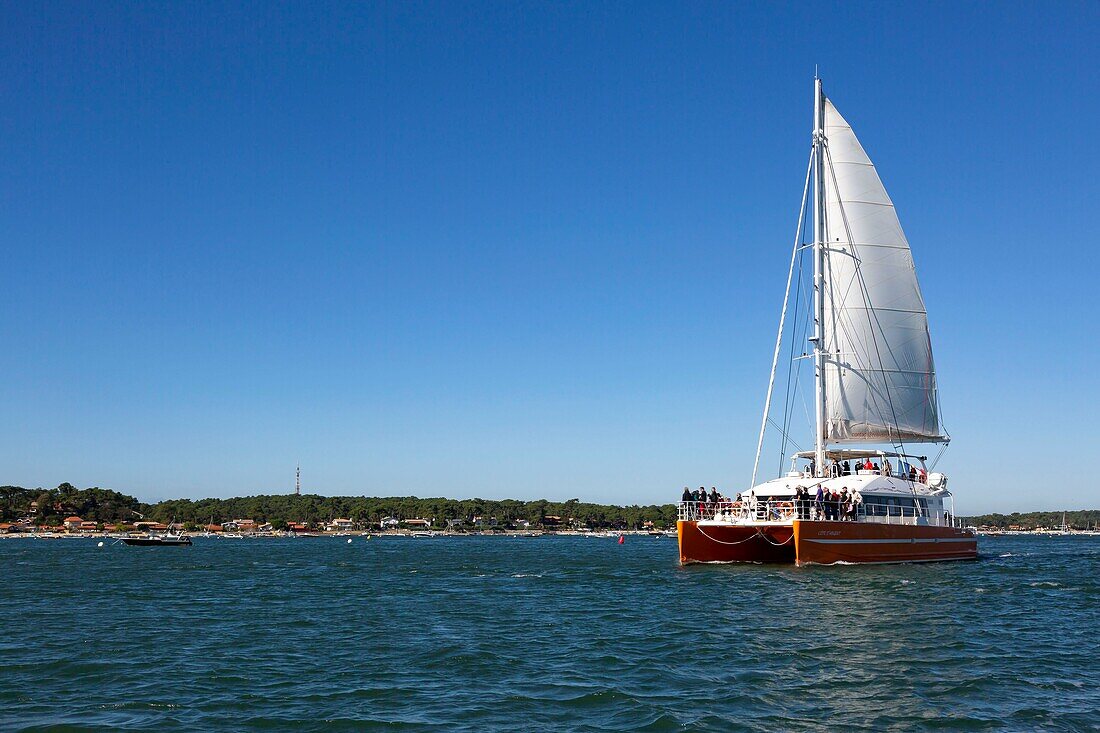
(868, 542)
(704, 542)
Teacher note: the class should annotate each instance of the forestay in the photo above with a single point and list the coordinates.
(880, 383)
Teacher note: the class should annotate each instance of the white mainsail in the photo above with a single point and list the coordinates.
(880, 382)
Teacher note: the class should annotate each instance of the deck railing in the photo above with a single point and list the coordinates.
(783, 511)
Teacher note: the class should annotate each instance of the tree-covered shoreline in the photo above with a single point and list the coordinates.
(1079, 519)
(103, 506)
(50, 507)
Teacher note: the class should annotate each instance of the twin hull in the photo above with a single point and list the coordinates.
(805, 541)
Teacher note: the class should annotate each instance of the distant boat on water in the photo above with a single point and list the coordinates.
(874, 385)
(1062, 530)
(158, 540)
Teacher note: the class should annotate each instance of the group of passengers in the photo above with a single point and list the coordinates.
(826, 504)
(700, 496)
(905, 470)
(830, 504)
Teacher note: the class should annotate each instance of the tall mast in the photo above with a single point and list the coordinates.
(819, 274)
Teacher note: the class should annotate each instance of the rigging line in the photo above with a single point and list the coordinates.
(782, 320)
(790, 371)
(798, 388)
(801, 337)
(787, 407)
(801, 330)
(939, 455)
(794, 389)
(805, 407)
(863, 284)
(791, 440)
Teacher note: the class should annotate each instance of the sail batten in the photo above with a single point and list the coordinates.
(880, 381)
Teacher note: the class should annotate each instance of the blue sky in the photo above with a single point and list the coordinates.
(518, 249)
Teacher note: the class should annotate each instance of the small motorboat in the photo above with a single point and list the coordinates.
(158, 540)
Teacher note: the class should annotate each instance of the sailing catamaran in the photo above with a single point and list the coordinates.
(850, 499)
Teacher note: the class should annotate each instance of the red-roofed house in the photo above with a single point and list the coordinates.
(73, 522)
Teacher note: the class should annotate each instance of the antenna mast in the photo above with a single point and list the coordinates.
(298, 480)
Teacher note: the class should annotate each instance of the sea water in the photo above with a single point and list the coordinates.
(543, 633)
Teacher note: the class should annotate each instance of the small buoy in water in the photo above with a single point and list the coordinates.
(622, 539)
(349, 541)
(100, 545)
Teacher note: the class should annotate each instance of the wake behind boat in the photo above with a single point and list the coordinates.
(874, 386)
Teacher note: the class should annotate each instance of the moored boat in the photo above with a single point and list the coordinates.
(158, 540)
(862, 495)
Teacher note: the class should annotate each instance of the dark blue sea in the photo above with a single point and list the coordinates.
(506, 634)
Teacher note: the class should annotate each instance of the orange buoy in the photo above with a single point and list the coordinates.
(622, 539)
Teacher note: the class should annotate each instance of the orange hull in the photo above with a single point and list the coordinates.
(868, 542)
(732, 543)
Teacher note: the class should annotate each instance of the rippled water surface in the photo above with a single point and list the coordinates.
(492, 633)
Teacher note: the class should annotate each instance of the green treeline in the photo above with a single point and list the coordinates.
(1080, 519)
(315, 509)
(51, 506)
(102, 505)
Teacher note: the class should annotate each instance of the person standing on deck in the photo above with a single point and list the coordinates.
(687, 495)
(819, 503)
